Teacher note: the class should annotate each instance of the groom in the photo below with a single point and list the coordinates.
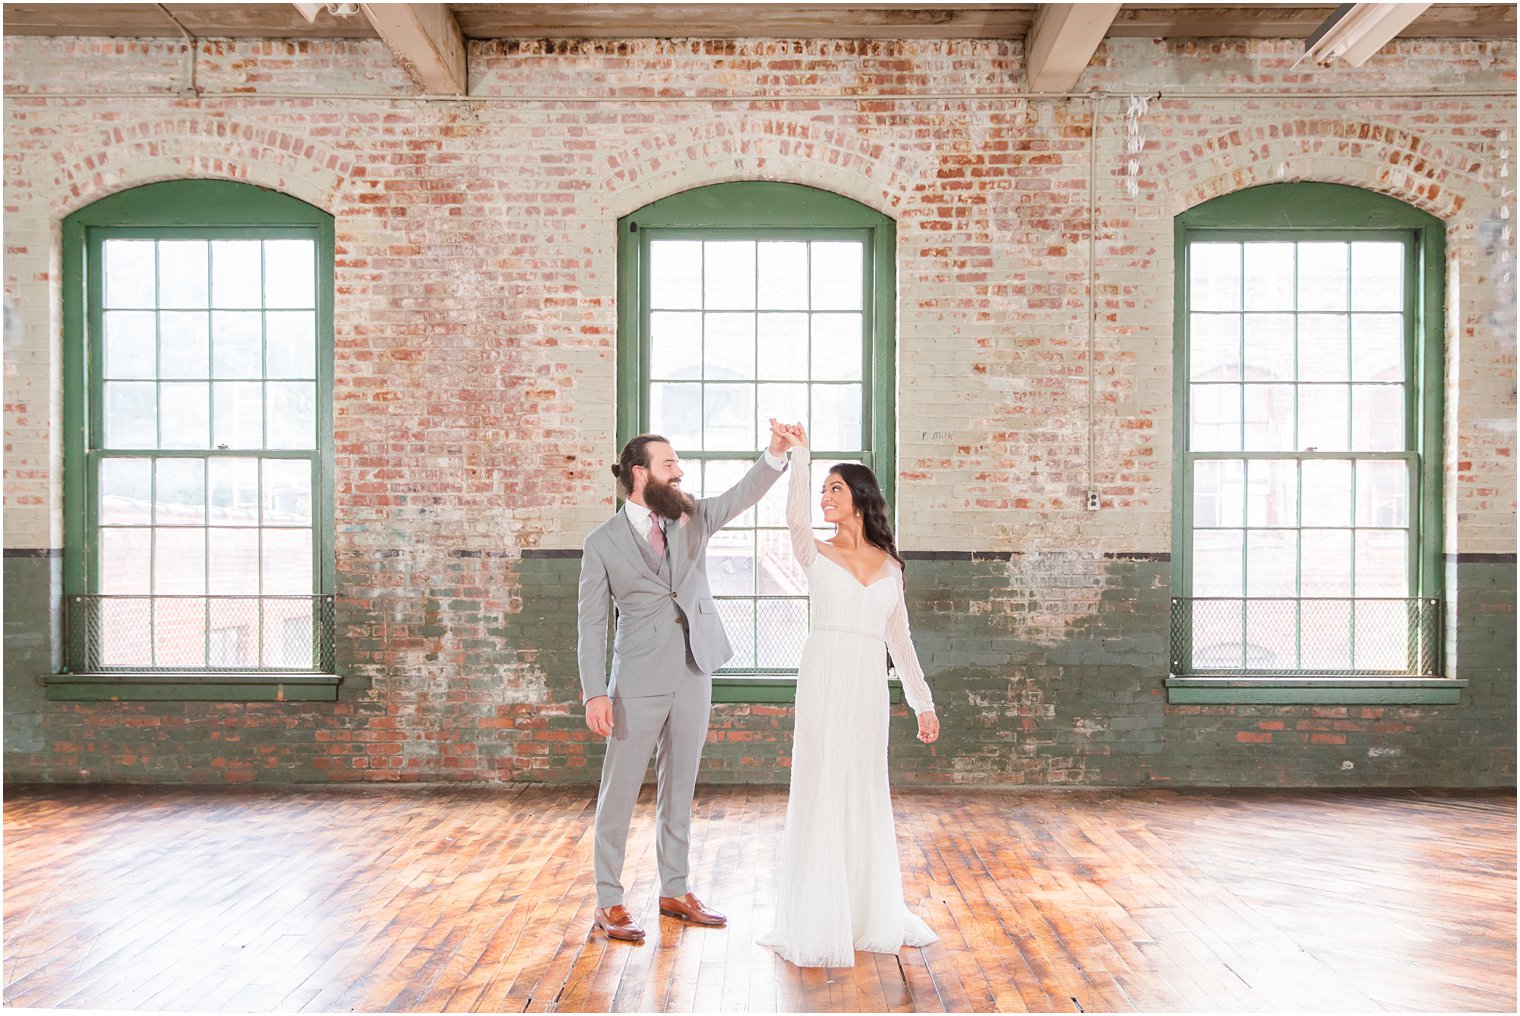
(651, 559)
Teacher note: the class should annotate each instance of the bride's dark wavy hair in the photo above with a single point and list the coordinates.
(866, 493)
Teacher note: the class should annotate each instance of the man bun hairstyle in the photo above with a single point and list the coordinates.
(635, 453)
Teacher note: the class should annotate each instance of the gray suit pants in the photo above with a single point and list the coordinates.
(675, 726)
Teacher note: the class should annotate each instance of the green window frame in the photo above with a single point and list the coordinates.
(231, 458)
(1284, 392)
(757, 212)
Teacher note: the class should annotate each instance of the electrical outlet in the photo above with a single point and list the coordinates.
(1092, 500)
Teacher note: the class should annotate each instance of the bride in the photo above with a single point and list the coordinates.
(839, 886)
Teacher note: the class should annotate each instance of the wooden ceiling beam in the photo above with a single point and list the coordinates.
(426, 41)
(1062, 41)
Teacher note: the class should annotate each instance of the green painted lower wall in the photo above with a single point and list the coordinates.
(1047, 670)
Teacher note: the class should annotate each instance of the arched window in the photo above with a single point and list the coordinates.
(739, 302)
(198, 459)
(1308, 434)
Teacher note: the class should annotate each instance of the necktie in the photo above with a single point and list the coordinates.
(656, 538)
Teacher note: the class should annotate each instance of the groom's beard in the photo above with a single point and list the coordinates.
(667, 500)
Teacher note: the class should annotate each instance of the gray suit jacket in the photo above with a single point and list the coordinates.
(649, 646)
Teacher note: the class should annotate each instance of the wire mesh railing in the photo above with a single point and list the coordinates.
(1283, 636)
(181, 633)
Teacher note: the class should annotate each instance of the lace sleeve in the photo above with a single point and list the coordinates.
(900, 643)
(799, 514)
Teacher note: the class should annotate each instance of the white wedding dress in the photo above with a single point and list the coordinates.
(839, 885)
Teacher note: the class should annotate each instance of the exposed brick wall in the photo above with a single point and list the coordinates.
(475, 380)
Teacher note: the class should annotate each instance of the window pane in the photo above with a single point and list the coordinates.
(772, 507)
(836, 421)
(675, 345)
(180, 494)
(184, 344)
(1218, 636)
(1214, 276)
(129, 340)
(675, 274)
(288, 635)
(1322, 347)
(1272, 562)
(1326, 492)
(783, 271)
(1269, 343)
(718, 475)
(1377, 347)
(179, 633)
(234, 561)
(1377, 418)
(125, 487)
(729, 346)
(675, 410)
(1218, 493)
(728, 275)
(233, 639)
(1377, 275)
(131, 416)
(179, 562)
(738, 617)
(1322, 276)
(184, 414)
(783, 345)
(837, 347)
(785, 403)
(1326, 562)
(1217, 562)
(290, 273)
(781, 629)
(128, 271)
(780, 574)
(1273, 494)
(1269, 418)
(1382, 563)
(182, 279)
(287, 492)
(234, 491)
(728, 417)
(1271, 634)
(1215, 426)
(1214, 347)
(1322, 418)
(292, 411)
(237, 343)
(836, 275)
(239, 414)
(1326, 637)
(236, 273)
(731, 562)
(124, 625)
(287, 561)
(1269, 276)
(125, 560)
(291, 349)
(1382, 640)
(1382, 493)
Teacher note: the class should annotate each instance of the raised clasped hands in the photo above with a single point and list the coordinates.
(785, 436)
(928, 727)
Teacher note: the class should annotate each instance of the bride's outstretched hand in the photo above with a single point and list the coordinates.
(928, 727)
(792, 434)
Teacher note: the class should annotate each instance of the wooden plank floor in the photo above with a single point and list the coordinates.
(443, 899)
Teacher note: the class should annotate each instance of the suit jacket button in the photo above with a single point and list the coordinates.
(672, 595)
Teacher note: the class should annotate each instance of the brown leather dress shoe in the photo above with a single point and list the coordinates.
(618, 924)
(689, 908)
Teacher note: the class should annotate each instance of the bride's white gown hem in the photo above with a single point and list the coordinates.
(839, 884)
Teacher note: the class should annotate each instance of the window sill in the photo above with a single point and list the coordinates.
(752, 689)
(203, 686)
(1301, 689)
